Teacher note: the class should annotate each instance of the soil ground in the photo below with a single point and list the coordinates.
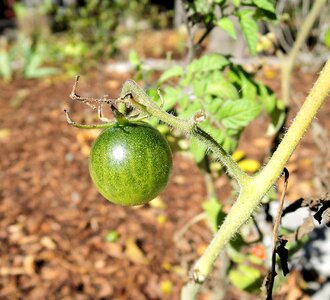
(53, 223)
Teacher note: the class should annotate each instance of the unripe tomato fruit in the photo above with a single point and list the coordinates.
(130, 163)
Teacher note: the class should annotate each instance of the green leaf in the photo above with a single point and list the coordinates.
(199, 87)
(33, 61)
(235, 255)
(226, 138)
(219, 86)
(134, 58)
(215, 216)
(249, 28)
(267, 97)
(202, 6)
(264, 15)
(237, 114)
(277, 119)
(265, 5)
(236, 2)
(5, 65)
(245, 277)
(188, 108)
(249, 88)
(198, 149)
(171, 97)
(41, 72)
(227, 25)
(206, 63)
(175, 71)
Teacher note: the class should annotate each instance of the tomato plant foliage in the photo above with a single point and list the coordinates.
(230, 97)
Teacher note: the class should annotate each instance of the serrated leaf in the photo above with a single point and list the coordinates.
(188, 110)
(233, 76)
(245, 277)
(213, 105)
(237, 114)
(265, 5)
(249, 89)
(219, 86)
(171, 97)
(199, 87)
(249, 29)
(206, 63)
(175, 71)
(212, 208)
(227, 25)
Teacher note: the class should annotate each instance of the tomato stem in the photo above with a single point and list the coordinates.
(253, 191)
(137, 97)
(252, 188)
(121, 119)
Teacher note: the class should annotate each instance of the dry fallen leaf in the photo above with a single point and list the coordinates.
(134, 253)
(4, 133)
(29, 264)
(178, 179)
(158, 202)
(48, 243)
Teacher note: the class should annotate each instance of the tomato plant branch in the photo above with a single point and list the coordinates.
(137, 97)
(253, 191)
(252, 188)
(85, 126)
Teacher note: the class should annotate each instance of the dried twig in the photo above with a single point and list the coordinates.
(278, 245)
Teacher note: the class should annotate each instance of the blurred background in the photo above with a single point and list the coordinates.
(60, 239)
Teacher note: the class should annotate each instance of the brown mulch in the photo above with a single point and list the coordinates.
(53, 223)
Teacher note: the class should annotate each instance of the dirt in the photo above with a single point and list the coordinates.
(53, 223)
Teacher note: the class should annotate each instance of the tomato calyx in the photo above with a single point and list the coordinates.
(121, 119)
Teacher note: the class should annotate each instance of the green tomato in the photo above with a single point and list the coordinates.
(130, 163)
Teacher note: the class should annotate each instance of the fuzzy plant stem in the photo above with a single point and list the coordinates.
(252, 188)
(138, 98)
(253, 191)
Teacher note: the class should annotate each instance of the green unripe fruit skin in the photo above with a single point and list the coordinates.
(130, 163)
